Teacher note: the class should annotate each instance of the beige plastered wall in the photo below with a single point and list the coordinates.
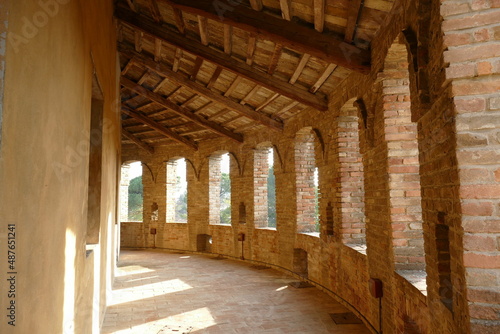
(52, 50)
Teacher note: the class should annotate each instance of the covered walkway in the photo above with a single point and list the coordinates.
(162, 292)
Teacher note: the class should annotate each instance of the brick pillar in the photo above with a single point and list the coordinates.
(403, 162)
(171, 180)
(472, 40)
(305, 164)
(214, 182)
(260, 174)
(124, 183)
(351, 191)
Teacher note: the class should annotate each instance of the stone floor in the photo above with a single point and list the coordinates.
(162, 293)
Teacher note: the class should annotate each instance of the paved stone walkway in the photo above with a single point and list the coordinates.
(158, 292)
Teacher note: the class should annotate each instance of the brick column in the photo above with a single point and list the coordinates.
(471, 37)
(124, 183)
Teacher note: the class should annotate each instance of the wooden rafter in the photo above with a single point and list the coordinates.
(202, 90)
(353, 12)
(228, 45)
(143, 77)
(157, 49)
(197, 65)
(287, 108)
(221, 59)
(138, 40)
(179, 20)
(127, 67)
(182, 111)
(233, 86)
(290, 34)
(252, 43)
(177, 60)
(286, 9)
(155, 10)
(131, 4)
(160, 128)
(267, 102)
(204, 108)
(319, 15)
(275, 58)
(203, 27)
(326, 74)
(214, 77)
(138, 142)
(300, 67)
(256, 4)
(250, 95)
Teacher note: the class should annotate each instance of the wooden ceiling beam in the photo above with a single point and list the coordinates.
(256, 4)
(155, 10)
(157, 49)
(138, 40)
(214, 77)
(353, 11)
(138, 142)
(319, 15)
(160, 128)
(197, 65)
(177, 60)
(228, 41)
(202, 90)
(286, 9)
(290, 34)
(326, 74)
(131, 4)
(268, 81)
(203, 27)
(179, 20)
(300, 67)
(273, 64)
(182, 111)
(252, 43)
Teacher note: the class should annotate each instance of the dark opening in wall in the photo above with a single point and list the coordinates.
(204, 243)
(300, 262)
(442, 235)
(95, 164)
(329, 219)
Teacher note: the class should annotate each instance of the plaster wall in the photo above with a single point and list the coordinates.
(52, 50)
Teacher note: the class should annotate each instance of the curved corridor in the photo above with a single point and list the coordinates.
(163, 292)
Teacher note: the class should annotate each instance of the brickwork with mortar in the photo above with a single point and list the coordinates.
(411, 175)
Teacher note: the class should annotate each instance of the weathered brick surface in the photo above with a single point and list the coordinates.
(425, 154)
